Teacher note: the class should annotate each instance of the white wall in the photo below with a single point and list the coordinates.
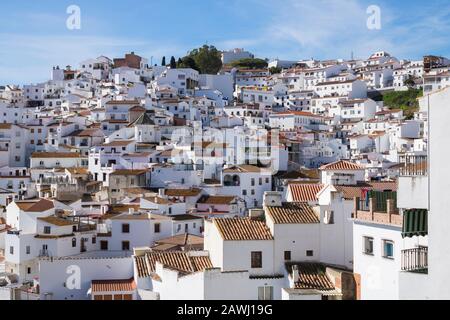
(53, 275)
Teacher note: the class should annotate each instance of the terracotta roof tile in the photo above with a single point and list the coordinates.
(35, 206)
(241, 229)
(48, 155)
(183, 192)
(305, 192)
(216, 199)
(342, 165)
(313, 276)
(293, 213)
(180, 261)
(113, 285)
(350, 192)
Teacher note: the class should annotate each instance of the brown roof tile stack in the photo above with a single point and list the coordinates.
(293, 213)
(305, 192)
(240, 229)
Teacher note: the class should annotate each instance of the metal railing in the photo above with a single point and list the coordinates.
(413, 166)
(415, 260)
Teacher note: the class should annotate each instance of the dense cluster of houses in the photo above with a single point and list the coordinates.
(120, 180)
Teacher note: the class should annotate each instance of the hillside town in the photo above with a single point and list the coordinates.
(247, 179)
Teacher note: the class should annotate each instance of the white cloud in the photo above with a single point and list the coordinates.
(26, 58)
(335, 28)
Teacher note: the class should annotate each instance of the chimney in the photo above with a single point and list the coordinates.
(295, 274)
(162, 192)
(273, 199)
(131, 211)
(256, 214)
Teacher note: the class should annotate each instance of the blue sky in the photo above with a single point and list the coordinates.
(34, 37)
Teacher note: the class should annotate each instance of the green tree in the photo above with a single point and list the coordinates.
(250, 64)
(410, 83)
(173, 63)
(207, 59)
(188, 62)
(163, 62)
(275, 70)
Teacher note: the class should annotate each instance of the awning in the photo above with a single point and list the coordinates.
(415, 223)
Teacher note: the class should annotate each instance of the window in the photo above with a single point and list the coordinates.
(94, 240)
(74, 242)
(157, 228)
(329, 217)
(125, 228)
(256, 259)
(368, 245)
(47, 230)
(265, 293)
(103, 245)
(125, 245)
(287, 256)
(28, 249)
(309, 253)
(11, 250)
(29, 270)
(388, 249)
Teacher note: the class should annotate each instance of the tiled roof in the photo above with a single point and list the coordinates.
(244, 169)
(342, 165)
(35, 206)
(183, 192)
(350, 192)
(182, 239)
(113, 285)
(240, 229)
(312, 276)
(216, 199)
(293, 213)
(305, 192)
(57, 221)
(118, 143)
(48, 155)
(180, 261)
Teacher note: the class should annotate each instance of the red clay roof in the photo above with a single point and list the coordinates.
(113, 285)
(305, 192)
(342, 165)
(241, 229)
(293, 213)
(35, 206)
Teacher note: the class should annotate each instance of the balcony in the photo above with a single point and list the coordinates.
(413, 182)
(415, 260)
(413, 166)
(378, 211)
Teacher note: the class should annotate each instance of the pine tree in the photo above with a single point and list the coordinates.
(163, 63)
(173, 63)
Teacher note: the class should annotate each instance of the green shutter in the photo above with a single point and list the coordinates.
(415, 223)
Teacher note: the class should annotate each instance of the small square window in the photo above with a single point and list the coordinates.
(388, 249)
(287, 256)
(368, 245)
(309, 253)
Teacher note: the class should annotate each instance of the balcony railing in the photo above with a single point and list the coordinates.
(413, 166)
(415, 260)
